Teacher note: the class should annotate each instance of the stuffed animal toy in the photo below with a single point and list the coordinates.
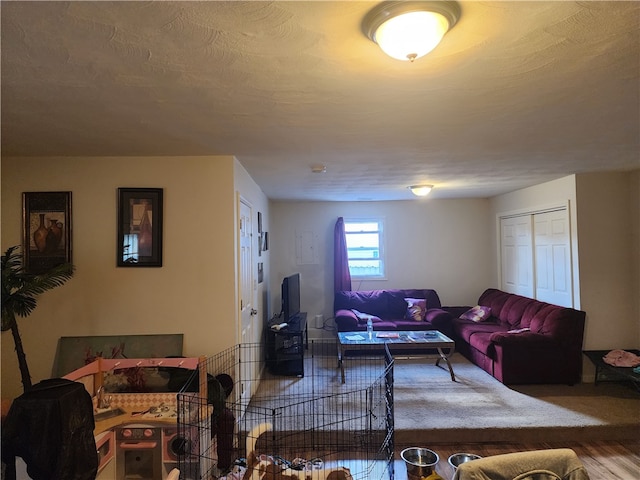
(264, 467)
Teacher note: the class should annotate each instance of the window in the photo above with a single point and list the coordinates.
(365, 248)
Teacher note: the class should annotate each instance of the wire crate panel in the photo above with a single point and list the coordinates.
(310, 422)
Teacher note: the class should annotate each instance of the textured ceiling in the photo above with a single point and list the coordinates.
(517, 93)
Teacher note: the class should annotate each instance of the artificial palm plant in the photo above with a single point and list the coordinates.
(19, 297)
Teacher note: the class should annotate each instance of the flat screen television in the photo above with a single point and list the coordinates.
(290, 297)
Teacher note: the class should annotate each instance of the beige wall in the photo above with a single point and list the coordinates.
(194, 291)
(439, 244)
(607, 227)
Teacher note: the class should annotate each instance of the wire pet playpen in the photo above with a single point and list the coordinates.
(316, 421)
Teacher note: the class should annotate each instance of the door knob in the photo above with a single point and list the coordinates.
(254, 312)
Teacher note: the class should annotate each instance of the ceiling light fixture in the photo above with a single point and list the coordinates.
(407, 30)
(421, 190)
(319, 169)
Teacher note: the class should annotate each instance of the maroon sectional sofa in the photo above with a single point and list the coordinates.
(389, 309)
(524, 341)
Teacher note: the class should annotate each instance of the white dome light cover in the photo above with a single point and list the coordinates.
(407, 30)
(421, 190)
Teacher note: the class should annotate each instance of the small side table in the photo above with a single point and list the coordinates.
(285, 347)
(609, 373)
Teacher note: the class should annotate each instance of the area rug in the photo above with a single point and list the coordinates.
(430, 408)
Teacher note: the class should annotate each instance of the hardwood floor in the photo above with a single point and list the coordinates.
(603, 460)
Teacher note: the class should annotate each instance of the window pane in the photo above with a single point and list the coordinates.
(363, 253)
(350, 227)
(364, 263)
(357, 240)
(364, 268)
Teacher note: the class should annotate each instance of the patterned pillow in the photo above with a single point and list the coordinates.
(416, 309)
(477, 313)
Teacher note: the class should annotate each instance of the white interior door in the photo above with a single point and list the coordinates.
(516, 255)
(552, 241)
(246, 294)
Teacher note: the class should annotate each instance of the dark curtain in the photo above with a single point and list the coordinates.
(341, 275)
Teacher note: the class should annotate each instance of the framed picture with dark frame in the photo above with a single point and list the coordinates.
(139, 227)
(46, 238)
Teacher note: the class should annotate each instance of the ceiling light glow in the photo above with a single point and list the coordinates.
(421, 190)
(406, 30)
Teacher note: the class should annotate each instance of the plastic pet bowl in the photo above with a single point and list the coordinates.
(458, 459)
(419, 461)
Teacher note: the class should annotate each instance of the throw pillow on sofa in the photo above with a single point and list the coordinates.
(477, 313)
(364, 317)
(416, 309)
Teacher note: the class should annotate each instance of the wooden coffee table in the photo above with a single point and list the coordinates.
(396, 340)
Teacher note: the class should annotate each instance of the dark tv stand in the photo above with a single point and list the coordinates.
(285, 347)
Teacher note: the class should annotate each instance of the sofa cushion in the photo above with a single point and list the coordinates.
(477, 313)
(539, 320)
(464, 329)
(407, 325)
(374, 302)
(524, 339)
(495, 299)
(364, 317)
(482, 341)
(566, 325)
(530, 313)
(433, 301)
(396, 303)
(513, 309)
(416, 309)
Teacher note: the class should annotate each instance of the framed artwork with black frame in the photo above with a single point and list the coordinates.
(139, 227)
(46, 237)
